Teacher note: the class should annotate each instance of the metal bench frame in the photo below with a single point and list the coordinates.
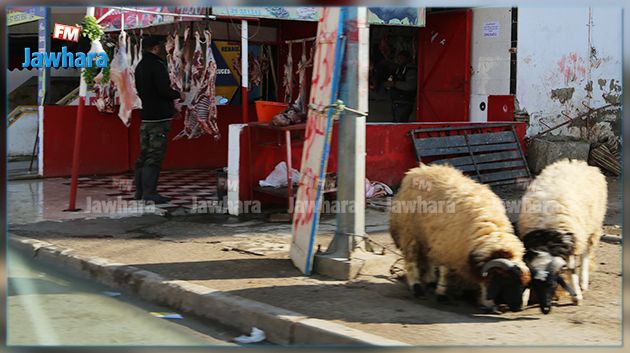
(494, 158)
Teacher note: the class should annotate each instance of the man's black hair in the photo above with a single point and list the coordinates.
(149, 42)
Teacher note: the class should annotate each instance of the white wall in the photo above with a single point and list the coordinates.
(558, 70)
(490, 58)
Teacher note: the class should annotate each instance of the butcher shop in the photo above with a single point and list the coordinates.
(246, 74)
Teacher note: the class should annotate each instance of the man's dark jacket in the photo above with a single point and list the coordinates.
(154, 88)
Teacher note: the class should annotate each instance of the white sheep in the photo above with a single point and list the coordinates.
(440, 217)
(560, 223)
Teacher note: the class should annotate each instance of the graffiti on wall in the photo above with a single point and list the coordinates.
(569, 75)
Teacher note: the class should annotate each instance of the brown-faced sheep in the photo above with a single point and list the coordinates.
(440, 217)
(562, 213)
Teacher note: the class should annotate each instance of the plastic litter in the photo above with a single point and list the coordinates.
(111, 294)
(257, 335)
(377, 189)
(167, 315)
(278, 176)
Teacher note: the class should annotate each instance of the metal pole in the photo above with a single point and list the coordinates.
(76, 154)
(351, 150)
(244, 73)
(43, 85)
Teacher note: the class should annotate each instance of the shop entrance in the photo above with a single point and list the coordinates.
(444, 67)
(441, 54)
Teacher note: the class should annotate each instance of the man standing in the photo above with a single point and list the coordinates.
(402, 87)
(154, 89)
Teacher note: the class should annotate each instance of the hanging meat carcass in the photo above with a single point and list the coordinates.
(303, 65)
(122, 76)
(175, 65)
(201, 113)
(186, 60)
(255, 71)
(105, 93)
(287, 80)
(211, 127)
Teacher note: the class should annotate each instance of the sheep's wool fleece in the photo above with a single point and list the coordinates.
(567, 196)
(471, 222)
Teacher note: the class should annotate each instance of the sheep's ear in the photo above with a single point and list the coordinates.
(525, 276)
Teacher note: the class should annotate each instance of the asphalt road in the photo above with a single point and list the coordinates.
(46, 307)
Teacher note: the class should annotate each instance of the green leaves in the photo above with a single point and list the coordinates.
(91, 29)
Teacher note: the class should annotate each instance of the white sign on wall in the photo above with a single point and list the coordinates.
(491, 29)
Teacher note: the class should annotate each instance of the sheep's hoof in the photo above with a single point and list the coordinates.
(418, 291)
(444, 299)
(490, 309)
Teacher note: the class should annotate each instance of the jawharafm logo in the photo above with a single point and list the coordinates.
(63, 59)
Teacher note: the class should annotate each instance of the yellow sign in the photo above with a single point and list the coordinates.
(228, 79)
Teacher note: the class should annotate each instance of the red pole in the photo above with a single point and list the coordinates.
(245, 105)
(76, 154)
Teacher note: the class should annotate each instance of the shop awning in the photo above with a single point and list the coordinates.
(396, 16)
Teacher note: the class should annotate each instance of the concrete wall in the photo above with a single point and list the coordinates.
(564, 64)
(18, 77)
(21, 135)
(490, 59)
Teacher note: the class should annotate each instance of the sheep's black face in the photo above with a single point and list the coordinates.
(544, 286)
(505, 287)
(545, 270)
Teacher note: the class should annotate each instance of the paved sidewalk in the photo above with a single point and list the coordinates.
(193, 249)
(248, 258)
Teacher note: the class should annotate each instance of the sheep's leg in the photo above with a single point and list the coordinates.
(429, 278)
(588, 259)
(413, 278)
(442, 284)
(415, 263)
(525, 297)
(584, 268)
(575, 281)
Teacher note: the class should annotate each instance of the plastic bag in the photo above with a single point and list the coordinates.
(278, 176)
(377, 189)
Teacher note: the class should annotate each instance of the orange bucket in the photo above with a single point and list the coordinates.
(266, 110)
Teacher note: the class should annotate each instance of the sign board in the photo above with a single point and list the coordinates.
(279, 13)
(19, 15)
(227, 84)
(324, 89)
(491, 29)
(399, 16)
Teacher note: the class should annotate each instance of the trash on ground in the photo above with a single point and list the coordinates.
(242, 251)
(257, 335)
(377, 189)
(167, 315)
(111, 294)
(278, 176)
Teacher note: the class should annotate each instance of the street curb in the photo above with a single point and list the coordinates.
(281, 326)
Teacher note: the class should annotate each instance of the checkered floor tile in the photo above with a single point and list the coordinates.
(182, 186)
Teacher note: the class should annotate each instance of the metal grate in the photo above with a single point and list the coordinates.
(491, 157)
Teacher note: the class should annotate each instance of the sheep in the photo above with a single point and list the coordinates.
(442, 218)
(561, 219)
